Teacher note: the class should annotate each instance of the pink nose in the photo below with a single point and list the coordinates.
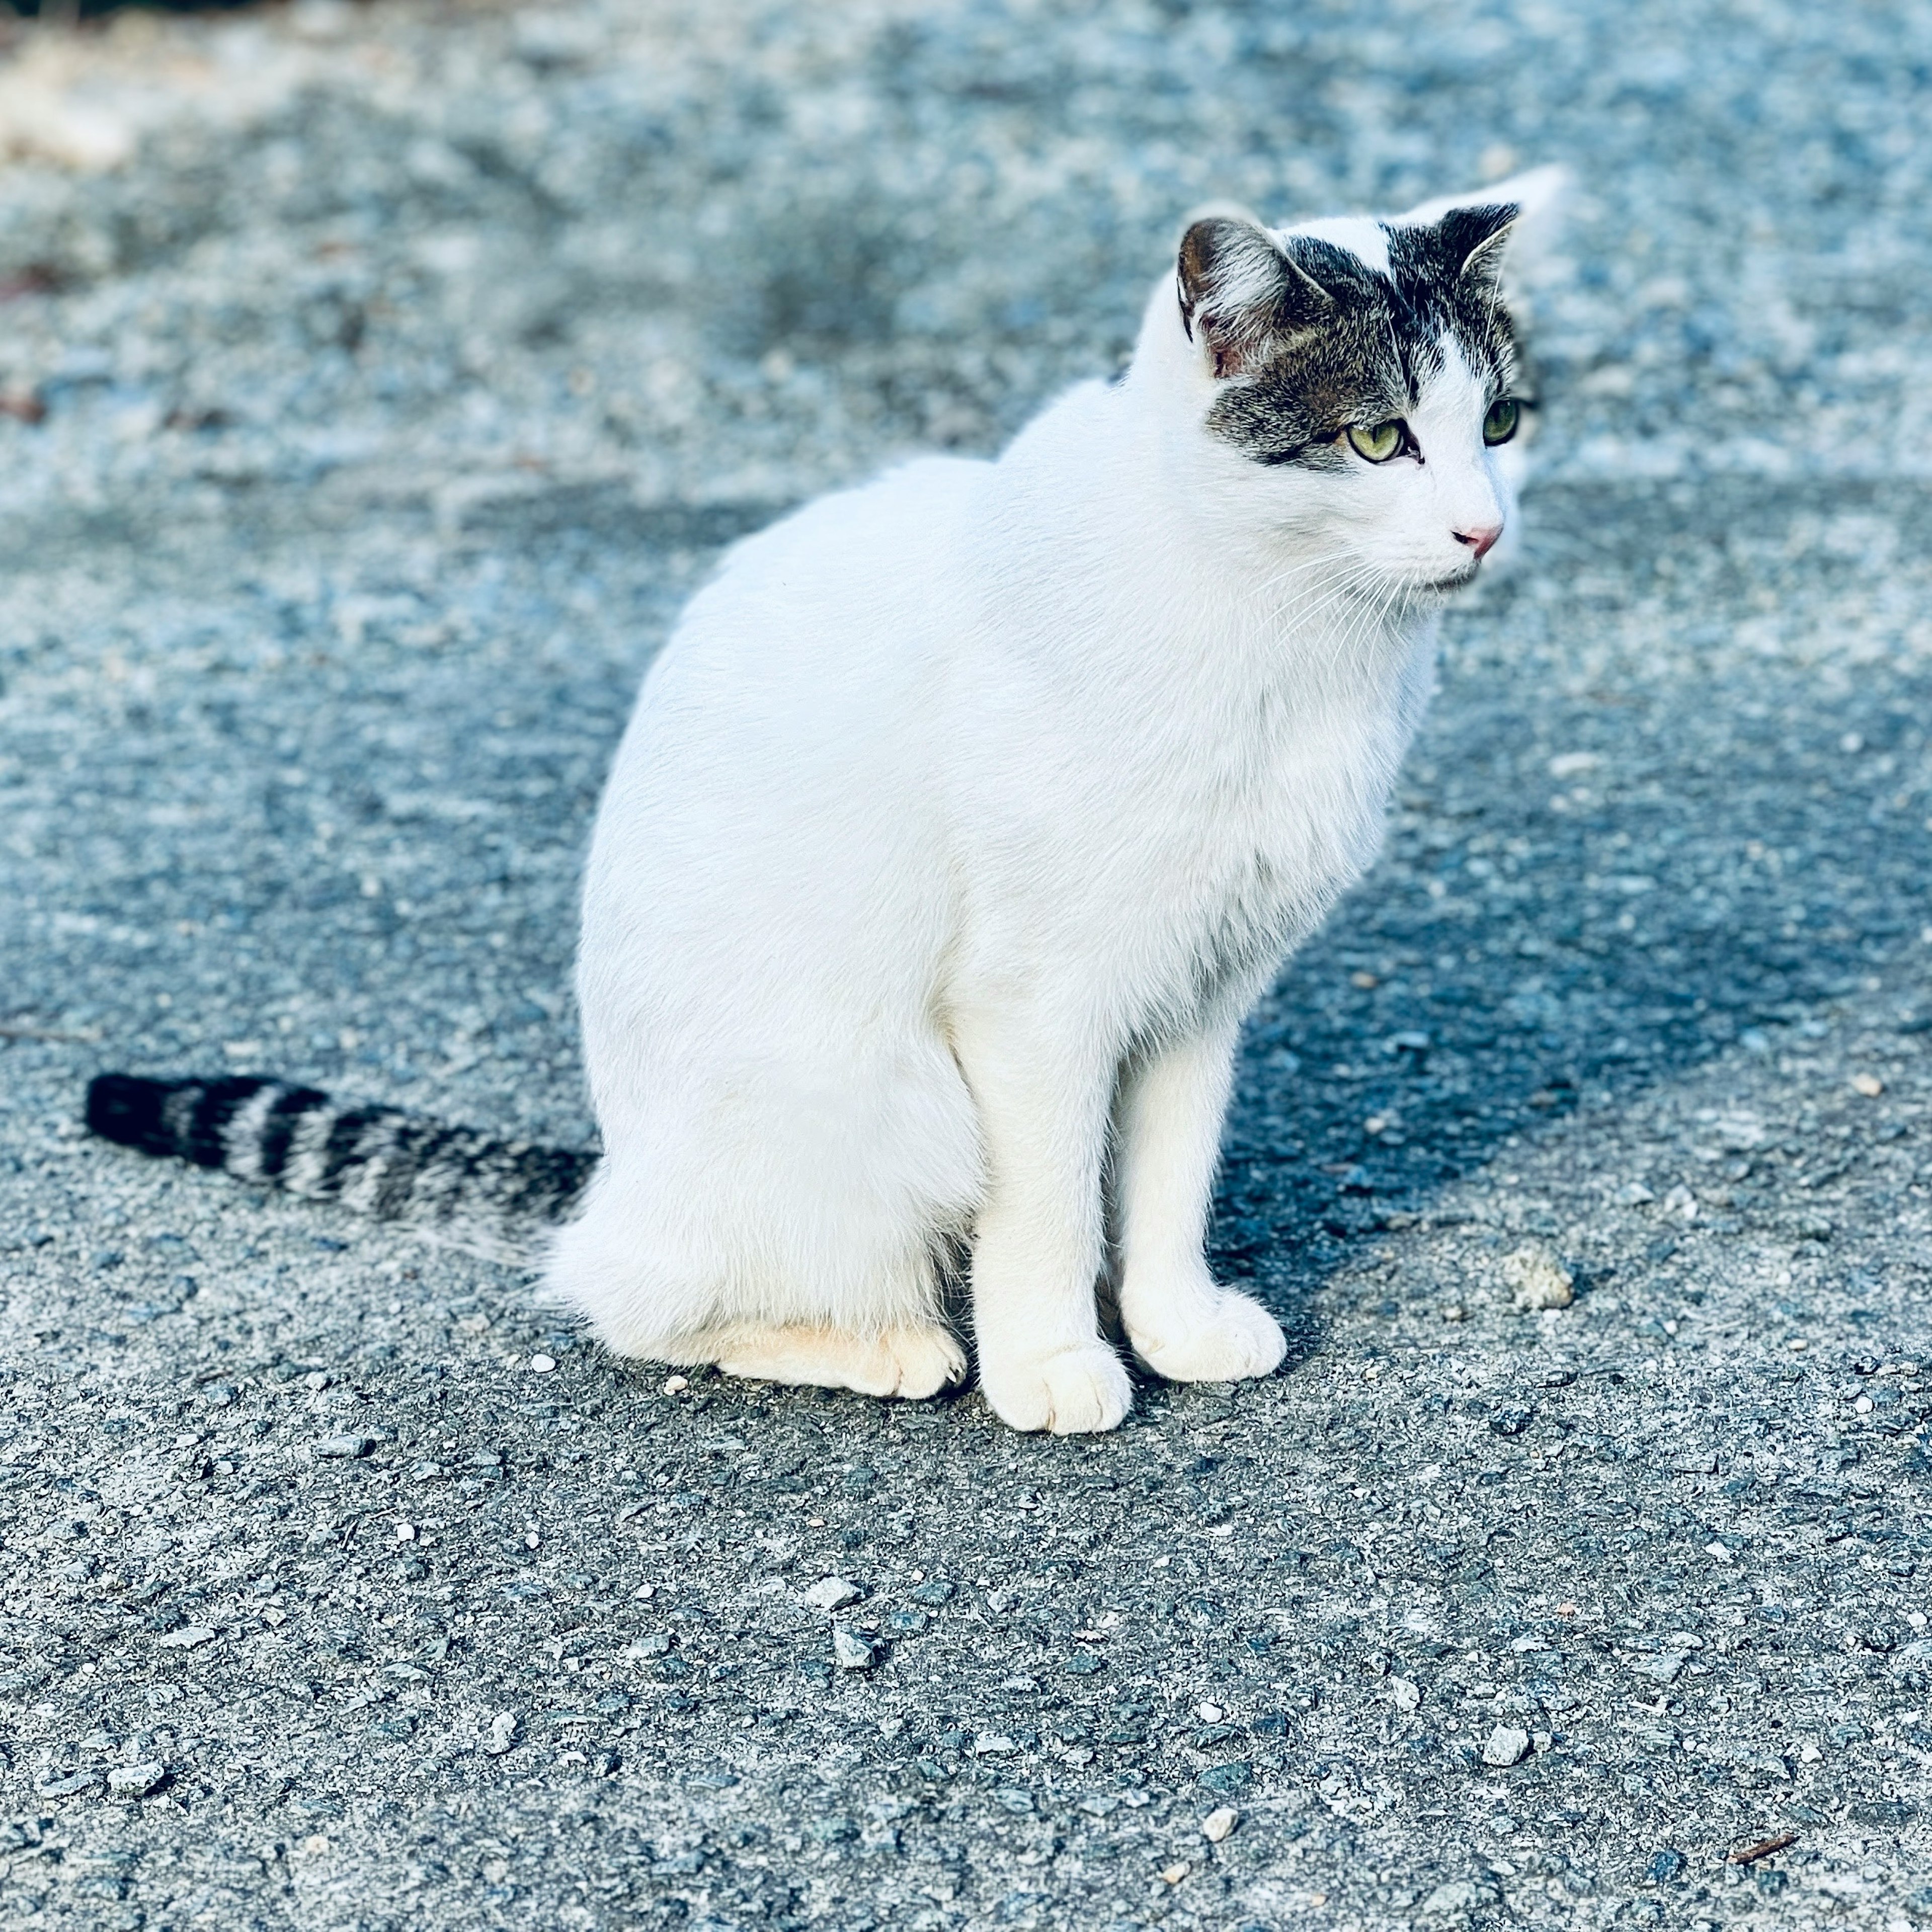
(1481, 537)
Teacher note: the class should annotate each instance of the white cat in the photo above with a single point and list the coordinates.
(959, 824)
(966, 815)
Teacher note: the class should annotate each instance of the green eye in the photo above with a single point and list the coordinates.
(1379, 444)
(1499, 425)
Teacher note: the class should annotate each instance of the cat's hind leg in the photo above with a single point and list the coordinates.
(911, 1362)
(727, 1235)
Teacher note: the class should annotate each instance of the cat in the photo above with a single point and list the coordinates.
(958, 826)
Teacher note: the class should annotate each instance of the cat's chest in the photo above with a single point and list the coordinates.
(1241, 847)
(1166, 846)
(1266, 804)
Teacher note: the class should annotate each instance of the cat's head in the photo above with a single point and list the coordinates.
(1353, 384)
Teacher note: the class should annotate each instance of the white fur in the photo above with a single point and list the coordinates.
(957, 827)
(1364, 239)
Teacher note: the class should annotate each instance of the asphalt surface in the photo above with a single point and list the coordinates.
(373, 387)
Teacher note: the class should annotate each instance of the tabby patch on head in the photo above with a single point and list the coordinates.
(1312, 339)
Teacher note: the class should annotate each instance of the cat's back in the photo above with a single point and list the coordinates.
(864, 555)
(783, 730)
(811, 653)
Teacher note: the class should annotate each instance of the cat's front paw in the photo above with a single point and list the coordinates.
(1232, 1338)
(1076, 1392)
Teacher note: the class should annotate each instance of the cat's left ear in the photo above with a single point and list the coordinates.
(1240, 293)
(1498, 236)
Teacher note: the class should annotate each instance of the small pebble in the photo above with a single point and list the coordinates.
(849, 1651)
(543, 1364)
(676, 1384)
(135, 1780)
(1404, 1694)
(831, 1593)
(405, 1532)
(1506, 1746)
(1536, 1278)
(70, 1786)
(344, 1448)
(192, 1637)
(1174, 1873)
(1219, 1823)
(502, 1733)
(1869, 1084)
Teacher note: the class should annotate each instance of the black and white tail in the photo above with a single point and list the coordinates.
(493, 1197)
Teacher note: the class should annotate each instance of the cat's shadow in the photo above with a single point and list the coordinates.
(1591, 895)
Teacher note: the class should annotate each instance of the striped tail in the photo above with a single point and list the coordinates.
(493, 1197)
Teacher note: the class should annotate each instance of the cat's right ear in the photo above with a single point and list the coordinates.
(1239, 293)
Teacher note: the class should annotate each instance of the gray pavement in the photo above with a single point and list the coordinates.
(359, 435)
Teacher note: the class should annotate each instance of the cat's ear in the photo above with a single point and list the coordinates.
(1472, 242)
(1500, 235)
(1239, 293)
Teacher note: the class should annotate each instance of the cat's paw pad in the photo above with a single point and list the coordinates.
(1076, 1392)
(1234, 1338)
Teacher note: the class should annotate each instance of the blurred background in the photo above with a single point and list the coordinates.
(742, 249)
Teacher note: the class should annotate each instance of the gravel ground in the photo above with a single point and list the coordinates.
(373, 387)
